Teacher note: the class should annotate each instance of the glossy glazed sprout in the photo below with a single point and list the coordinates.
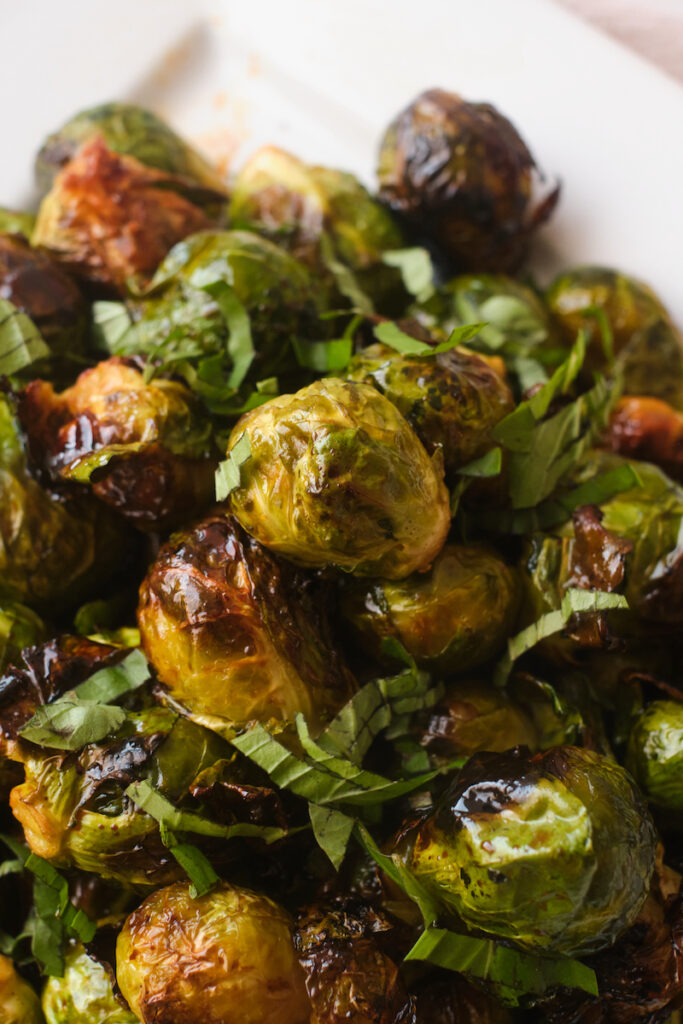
(552, 851)
(236, 636)
(461, 174)
(642, 332)
(84, 994)
(655, 756)
(337, 477)
(319, 215)
(451, 619)
(451, 400)
(225, 958)
(111, 219)
(144, 448)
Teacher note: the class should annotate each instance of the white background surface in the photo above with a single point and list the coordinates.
(323, 78)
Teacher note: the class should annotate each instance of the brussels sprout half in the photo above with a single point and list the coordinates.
(234, 635)
(552, 851)
(655, 756)
(143, 447)
(19, 1004)
(460, 173)
(226, 957)
(303, 207)
(649, 347)
(450, 619)
(131, 131)
(111, 219)
(337, 477)
(84, 994)
(451, 400)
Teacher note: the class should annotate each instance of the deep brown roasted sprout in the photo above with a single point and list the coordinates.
(650, 430)
(235, 635)
(349, 977)
(144, 447)
(109, 218)
(460, 173)
(37, 285)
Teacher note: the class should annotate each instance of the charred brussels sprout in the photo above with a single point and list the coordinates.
(337, 477)
(447, 998)
(461, 173)
(450, 619)
(131, 131)
(553, 851)
(655, 755)
(39, 287)
(517, 322)
(84, 994)
(224, 957)
(111, 219)
(319, 215)
(18, 1002)
(650, 430)
(650, 349)
(234, 635)
(475, 717)
(349, 977)
(639, 528)
(451, 400)
(143, 447)
(181, 318)
(49, 550)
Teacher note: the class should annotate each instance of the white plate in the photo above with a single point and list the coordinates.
(322, 78)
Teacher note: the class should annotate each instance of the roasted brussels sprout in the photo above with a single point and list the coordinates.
(461, 173)
(234, 635)
(451, 400)
(337, 477)
(39, 287)
(84, 994)
(49, 550)
(224, 957)
(306, 208)
(450, 619)
(655, 755)
(448, 998)
(109, 218)
(552, 851)
(475, 717)
(651, 352)
(349, 977)
(131, 131)
(517, 321)
(143, 447)
(18, 1002)
(181, 318)
(634, 536)
(648, 429)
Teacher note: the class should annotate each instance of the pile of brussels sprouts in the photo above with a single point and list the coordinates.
(341, 594)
